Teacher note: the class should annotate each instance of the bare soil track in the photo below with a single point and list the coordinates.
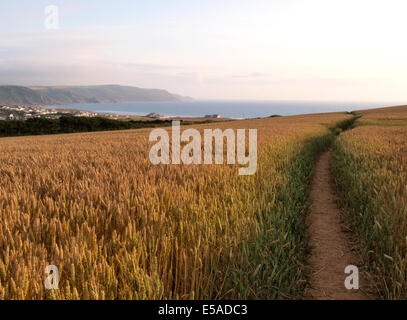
(331, 249)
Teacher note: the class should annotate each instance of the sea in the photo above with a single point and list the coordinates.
(226, 109)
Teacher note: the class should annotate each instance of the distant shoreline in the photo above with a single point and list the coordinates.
(226, 109)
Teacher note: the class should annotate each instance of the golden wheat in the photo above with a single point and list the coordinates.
(370, 165)
(118, 227)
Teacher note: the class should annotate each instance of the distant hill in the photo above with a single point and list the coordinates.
(12, 95)
(392, 109)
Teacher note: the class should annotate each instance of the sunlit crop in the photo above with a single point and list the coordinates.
(370, 166)
(118, 227)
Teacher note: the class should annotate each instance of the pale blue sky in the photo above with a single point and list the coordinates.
(225, 49)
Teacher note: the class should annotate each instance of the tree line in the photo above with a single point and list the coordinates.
(70, 124)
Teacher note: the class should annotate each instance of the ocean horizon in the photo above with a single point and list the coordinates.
(225, 108)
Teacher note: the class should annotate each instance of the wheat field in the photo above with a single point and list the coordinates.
(370, 168)
(118, 227)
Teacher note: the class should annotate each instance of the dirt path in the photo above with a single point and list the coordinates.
(331, 251)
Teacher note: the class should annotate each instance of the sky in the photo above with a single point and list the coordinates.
(321, 50)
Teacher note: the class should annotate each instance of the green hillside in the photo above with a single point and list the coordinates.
(11, 95)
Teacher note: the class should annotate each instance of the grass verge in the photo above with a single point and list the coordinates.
(274, 263)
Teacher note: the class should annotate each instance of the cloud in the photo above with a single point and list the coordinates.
(252, 75)
(32, 72)
(81, 57)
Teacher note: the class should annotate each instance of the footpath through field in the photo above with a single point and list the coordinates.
(331, 250)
